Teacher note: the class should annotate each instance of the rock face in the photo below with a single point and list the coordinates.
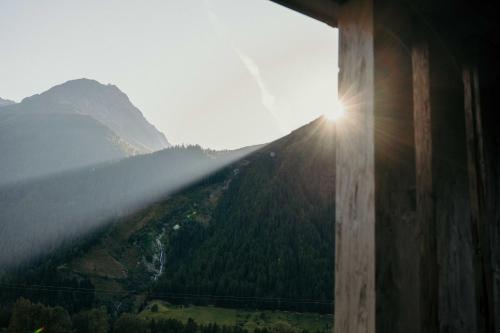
(6, 102)
(72, 125)
(110, 106)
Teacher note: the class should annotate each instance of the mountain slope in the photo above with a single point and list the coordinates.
(110, 106)
(60, 208)
(271, 233)
(41, 144)
(258, 233)
(6, 102)
(76, 124)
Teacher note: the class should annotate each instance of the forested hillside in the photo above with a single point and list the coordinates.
(256, 234)
(271, 234)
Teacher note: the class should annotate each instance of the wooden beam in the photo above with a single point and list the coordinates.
(478, 191)
(397, 249)
(425, 216)
(355, 171)
(322, 10)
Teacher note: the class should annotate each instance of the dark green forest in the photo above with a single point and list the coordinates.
(272, 233)
(28, 317)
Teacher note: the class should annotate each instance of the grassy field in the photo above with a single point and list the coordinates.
(245, 318)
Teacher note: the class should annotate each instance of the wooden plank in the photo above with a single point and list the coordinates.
(425, 219)
(397, 249)
(451, 195)
(478, 191)
(355, 185)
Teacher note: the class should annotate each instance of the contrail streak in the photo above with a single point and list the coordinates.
(267, 98)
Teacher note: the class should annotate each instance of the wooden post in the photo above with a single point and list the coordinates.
(355, 185)
(425, 218)
(478, 191)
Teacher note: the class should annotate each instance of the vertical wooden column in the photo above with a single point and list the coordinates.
(425, 219)
(481, 82)
(397, 254)
(355, 185)
(392, 248)
(480, 212)
(451, 200)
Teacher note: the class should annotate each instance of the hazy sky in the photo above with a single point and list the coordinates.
(220, 73)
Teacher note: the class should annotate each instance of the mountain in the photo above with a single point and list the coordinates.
(257, 233)
(6, 102)
(270, 234)
(108, 105)
(72, 125)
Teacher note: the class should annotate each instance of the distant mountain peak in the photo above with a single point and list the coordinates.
(75, 124)
(6, 102)
(108, 105)
(84, 86)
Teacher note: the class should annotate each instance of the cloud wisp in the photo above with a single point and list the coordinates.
(267, 98)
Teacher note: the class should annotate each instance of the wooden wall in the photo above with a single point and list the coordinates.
(418, 165)
(405, 149)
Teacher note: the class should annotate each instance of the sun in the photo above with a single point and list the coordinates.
(337, 112)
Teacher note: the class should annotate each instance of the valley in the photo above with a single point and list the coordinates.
(256, 232)
(242, 239)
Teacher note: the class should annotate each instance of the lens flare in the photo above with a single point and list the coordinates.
(337, 112)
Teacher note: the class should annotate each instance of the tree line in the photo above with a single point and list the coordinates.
(27, 316)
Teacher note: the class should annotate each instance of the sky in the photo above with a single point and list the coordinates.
(220, 73)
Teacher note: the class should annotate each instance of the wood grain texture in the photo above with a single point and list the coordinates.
(478, 191)
(455, 251)
(425, 219)
(355, 208)
(484, 87)
(385, 246)
(396, 277)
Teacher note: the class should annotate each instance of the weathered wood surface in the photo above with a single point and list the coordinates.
(355, 208)
(396, 278)
(375, 269)
(426, 224)
(487, 86)
(478, 190)
(451, 193)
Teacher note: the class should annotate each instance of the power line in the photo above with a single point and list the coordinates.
(166, 295)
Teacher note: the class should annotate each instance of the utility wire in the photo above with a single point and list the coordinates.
(164, 295)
